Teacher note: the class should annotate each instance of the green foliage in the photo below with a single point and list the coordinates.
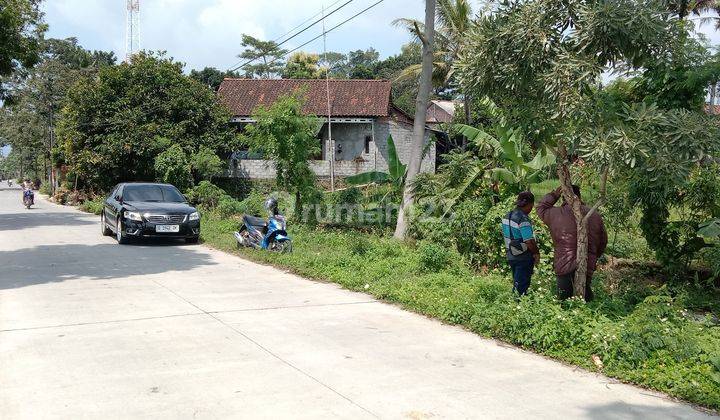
(433, 257)
(206, 164)
(287, 137)
(205, 194)
(93, 206)
(681, 79)
(172, 167)
(21, 30)
(114, 125)
(302, 65)
(637, 333)
(265, 57)
(212, 77)
(228, 206)
(395, 175)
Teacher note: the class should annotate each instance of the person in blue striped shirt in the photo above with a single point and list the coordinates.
(520, 245)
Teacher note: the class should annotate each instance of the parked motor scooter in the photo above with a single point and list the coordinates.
(271, 235)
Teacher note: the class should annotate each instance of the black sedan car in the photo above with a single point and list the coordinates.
(143, 210)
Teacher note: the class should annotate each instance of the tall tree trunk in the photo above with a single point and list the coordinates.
(421, 105)
(581, 218)
(713, 96)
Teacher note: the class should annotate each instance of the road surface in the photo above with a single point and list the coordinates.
(92, 329)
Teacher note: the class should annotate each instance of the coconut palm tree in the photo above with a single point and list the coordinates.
(454, 18)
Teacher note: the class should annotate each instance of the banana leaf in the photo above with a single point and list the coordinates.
(368, 178)
(396, 168)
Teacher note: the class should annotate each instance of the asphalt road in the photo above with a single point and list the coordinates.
(92, 329)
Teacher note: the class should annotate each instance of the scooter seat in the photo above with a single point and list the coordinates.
(256, 222)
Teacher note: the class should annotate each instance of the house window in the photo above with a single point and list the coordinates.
(368, 139)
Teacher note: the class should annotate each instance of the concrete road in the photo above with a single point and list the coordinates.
(92, 329)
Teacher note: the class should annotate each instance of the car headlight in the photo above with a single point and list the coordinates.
(194, 216)
(133, 215)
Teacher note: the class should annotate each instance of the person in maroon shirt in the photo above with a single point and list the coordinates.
(563, 230)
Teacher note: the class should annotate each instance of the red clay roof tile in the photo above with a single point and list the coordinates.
(348, 98)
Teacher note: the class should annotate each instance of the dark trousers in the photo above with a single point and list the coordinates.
(565, 286)
(522, 271)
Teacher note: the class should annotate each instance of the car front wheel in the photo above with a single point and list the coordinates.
(103, 226)
(119, 234)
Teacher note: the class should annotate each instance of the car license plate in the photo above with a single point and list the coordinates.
(167, 228)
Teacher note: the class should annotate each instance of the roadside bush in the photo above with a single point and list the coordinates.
(206, 164)
(433, 257)
(45, 189)
(254, 204)
(61, 195)
(228, 206)
(172, 167)
(205, 194)
(94, 206)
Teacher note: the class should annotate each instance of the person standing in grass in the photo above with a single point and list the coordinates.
(520, 245)
(563, 230)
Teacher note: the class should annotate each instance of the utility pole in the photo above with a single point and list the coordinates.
(331, 143)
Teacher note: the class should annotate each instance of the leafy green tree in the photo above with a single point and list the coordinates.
(525, 58)
(336, 63)
(680, 79)
(361, 63)
(172, 167)
(40, 92)
(114, 125)
(302, 65)
(206, 164)
(21, 29)
(212, 77)
(287, 137)
(266, 57)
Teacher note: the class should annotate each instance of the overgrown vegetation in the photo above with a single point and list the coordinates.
(643, 332)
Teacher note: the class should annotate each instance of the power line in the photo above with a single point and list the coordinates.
(305, 21)
(330, 30)
(293, 29)
(285, 41)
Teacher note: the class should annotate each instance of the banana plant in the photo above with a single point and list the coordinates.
(507, 164)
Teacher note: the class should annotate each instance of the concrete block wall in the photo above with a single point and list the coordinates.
(355, 160)
(402, 134)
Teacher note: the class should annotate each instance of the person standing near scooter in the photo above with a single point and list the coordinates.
(520, 245)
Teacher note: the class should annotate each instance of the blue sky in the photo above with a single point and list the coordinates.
(208, 32)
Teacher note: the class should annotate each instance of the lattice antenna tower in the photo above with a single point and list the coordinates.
(132, 32)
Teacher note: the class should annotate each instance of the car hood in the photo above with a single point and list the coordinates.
(143, 206)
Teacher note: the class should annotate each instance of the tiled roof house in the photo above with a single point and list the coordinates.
(362, 116)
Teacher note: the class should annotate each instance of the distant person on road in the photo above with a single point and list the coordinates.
(563, 230)
(520, 246)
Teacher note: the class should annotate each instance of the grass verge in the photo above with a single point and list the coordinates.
(642, 333)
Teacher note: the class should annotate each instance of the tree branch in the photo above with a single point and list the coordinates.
(420, 34)
(603, 194)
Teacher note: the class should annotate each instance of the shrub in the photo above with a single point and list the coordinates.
(254, 204)
(61, 195)
(45, 188)
(94, 206)
(206, 164)
(433, 257)
(172, 167)
(205, 194)
(228, 206)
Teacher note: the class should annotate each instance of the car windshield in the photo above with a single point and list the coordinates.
(152, 193)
